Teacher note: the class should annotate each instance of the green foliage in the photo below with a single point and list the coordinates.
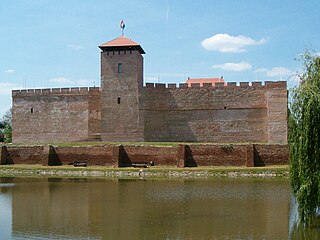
(8, 134)
(304, 139)
(6, 125)
(227, 147)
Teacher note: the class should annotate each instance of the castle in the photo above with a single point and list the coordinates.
(123, 109)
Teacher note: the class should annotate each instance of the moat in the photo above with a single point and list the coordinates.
(134, 208)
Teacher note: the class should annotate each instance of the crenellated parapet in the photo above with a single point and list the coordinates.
(56, 91)
(266, 85)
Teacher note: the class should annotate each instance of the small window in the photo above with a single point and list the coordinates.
(119, 100)
(31, 110)
(119, 67)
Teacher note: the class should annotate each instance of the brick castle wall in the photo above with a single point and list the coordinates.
(219, 113)
(56, 115)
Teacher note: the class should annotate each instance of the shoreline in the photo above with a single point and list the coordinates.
(24, 170)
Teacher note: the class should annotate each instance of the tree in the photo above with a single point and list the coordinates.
(6, 124)
(304, 138)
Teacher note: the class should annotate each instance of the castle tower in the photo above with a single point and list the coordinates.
(121, 82)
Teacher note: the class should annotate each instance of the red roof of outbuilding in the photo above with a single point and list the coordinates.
(204, 80)
(121, 42)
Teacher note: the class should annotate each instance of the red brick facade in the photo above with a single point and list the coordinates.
(125, 155)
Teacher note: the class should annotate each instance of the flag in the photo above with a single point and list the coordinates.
(122, 25)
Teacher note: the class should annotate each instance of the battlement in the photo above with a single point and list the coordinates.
(56, 91)
(267, 84)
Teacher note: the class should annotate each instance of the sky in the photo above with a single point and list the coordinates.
(50, 43)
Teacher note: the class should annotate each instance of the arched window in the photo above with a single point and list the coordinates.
(119, 100)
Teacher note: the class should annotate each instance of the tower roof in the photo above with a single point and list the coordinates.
(121, 43)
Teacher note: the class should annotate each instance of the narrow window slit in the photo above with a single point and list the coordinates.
(119, 67)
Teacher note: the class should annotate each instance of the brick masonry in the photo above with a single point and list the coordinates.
(125, 155)
(215, 114)
(56, 115)
(208, 114)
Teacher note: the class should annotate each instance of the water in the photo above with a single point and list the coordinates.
(215, 208)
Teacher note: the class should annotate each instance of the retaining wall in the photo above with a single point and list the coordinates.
(124, 156)
(24, 154)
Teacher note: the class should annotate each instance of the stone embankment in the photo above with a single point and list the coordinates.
(143, 173)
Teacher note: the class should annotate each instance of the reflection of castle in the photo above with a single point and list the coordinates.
(151, 209)
(126, 110)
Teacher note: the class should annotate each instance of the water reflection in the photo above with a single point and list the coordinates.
(58, 208)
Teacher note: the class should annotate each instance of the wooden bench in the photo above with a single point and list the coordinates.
(80, 163)
(142, 164)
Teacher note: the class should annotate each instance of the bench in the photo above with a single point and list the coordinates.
(142, 164)
(80, 163)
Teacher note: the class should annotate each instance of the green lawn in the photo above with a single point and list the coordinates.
(169, 144)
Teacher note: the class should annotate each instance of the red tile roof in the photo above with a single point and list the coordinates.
(121, 42)
(204, 80)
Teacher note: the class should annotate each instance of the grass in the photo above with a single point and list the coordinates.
(168, 144)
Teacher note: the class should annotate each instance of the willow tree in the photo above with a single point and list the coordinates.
(304, 138)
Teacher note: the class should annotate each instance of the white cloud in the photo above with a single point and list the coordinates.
(75, 46)
(278, 71)
(151, 78)
(70, 82)
(6, 87)
(85, 82)
(259, 70)
(10, 70)
(223, 42)
(234, 67)
(61, 80)
(275, 71)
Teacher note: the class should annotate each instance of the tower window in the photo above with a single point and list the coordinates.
(119, 100)
(119, 67)
(31, 110)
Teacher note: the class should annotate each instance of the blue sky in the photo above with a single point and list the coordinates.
(50, 43)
